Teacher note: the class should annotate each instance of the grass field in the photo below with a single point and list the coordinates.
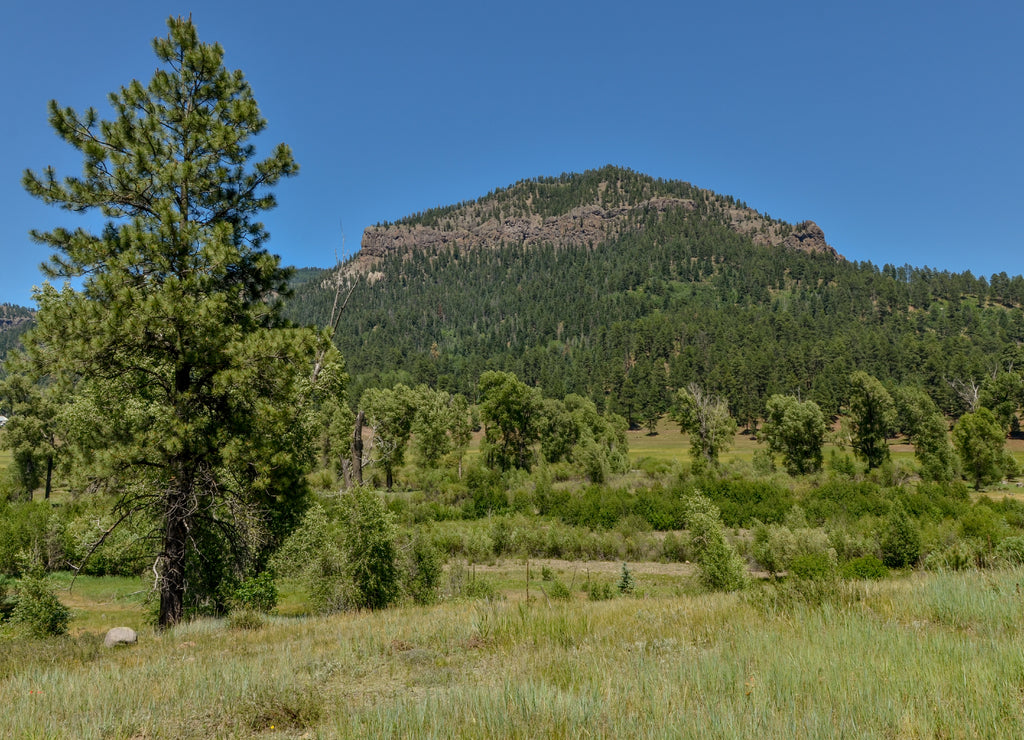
(939, 655)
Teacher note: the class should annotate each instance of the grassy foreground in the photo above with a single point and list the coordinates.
(930, 655)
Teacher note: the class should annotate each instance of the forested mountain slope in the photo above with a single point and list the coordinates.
(14, 321)
(676, 285)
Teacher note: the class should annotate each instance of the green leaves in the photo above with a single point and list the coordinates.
(796, 431)
(512, 413)
(980, 440)
(873, 415)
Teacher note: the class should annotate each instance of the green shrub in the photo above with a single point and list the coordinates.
(813, 566)
(312, 555)
(28, 537)
(1011, 550)
(721, 567)
(742, 501)
(777, 546)
(981, 522)
(599, 591)
(674, 549)
(37, 611)
(282, 708)
(368, 545)
(960, 555)
(842, 464)
(900, 540)
(480, 588)
(501, 536)
(424, 565)
(256, 594)
(6, 602)
(865, 567)
(558, 591)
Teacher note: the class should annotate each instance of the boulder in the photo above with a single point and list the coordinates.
(121, 636)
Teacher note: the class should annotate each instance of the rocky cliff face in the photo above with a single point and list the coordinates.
(476, 226)
(583, 226)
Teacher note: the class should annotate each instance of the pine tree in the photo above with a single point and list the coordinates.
(175, 332)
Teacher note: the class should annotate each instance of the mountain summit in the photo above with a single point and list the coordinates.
(574, 210)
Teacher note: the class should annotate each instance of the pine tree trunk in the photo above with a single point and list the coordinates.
(172, 577)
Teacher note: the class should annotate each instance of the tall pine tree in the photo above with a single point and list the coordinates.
(175, 333)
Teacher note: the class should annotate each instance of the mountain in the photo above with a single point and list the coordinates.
(574, 211)
(14, 321)
(621, 287)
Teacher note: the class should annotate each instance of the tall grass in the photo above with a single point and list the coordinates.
(933, 655)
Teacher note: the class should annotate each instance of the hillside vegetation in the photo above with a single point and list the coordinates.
(664, 296)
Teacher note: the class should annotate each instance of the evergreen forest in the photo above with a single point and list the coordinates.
(677, 296)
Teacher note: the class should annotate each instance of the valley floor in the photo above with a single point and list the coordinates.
(926, 655)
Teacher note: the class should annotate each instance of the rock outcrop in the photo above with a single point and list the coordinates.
(486, 223)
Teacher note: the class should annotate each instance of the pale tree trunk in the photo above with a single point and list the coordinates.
(357, 450)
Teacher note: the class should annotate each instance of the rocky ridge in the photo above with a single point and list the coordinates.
(488, 223)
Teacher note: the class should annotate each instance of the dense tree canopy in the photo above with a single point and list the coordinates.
(196, 394)
(796, 431)
(872, 415)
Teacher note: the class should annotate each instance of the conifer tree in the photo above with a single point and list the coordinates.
(174, 333)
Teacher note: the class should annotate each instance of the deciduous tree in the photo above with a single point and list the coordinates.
(390, 413)
(705, 417)
(980, 439)
(796, 431)
(512, 413)
(872, 415)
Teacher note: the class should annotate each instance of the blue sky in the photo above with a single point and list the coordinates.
(896, 126)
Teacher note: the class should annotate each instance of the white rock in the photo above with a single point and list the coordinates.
(121, 636)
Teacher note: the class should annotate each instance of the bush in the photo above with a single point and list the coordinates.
(777, 546)
(1011, 550)
(960, 555)
(740, 502)
(813, 566)
(311, 555)
(6, 603)
(37, 610)
(558, 591)
(721, 567)
(368, 545)
(256, 594)
(865, 567)
(900, 540)
(247, 619)
(26, 537)
(599, 591)
(480, 588)
(674, 549)
(424, 566)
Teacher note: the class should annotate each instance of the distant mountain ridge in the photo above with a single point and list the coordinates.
(574, 210)
(14, 321)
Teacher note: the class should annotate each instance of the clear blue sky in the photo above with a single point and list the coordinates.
(895, 125)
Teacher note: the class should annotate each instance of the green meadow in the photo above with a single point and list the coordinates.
(926, 655)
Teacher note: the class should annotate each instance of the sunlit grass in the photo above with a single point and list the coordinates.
(937, 655)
